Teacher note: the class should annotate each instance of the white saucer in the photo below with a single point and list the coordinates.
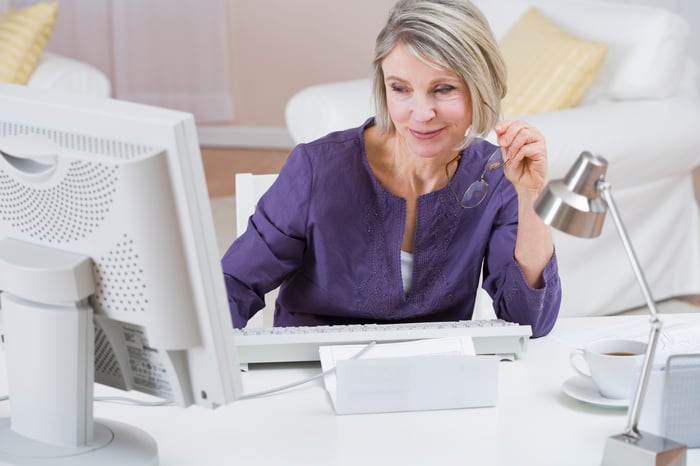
(582, 389)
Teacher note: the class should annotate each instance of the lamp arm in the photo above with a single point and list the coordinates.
(605, 191)
(640, 393)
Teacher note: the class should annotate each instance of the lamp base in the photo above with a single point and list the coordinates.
(647, 450)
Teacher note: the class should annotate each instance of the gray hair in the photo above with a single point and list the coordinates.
(455, 35)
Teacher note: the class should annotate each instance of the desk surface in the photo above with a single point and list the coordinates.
(534, 422)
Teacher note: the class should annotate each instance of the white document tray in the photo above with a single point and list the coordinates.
(416, 383)
(672, 404)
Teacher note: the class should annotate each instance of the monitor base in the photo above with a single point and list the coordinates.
(115, 444)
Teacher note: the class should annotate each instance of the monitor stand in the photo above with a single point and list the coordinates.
(48, 332)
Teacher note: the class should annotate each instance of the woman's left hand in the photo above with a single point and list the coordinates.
(526, 154)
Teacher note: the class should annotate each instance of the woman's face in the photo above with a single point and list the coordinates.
(429, 106)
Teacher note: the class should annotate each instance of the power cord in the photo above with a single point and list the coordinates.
(244, 396)
(131, 401)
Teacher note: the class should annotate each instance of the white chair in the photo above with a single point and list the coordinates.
(249, 188)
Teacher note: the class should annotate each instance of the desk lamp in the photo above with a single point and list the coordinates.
(576, 205)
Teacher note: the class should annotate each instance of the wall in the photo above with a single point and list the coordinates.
(279, 47)
(275, 48)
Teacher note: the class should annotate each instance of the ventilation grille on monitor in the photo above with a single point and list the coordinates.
(107, 370)
(60, 213)
(120, 283)
(78, 142)
(48, 214)
(72, 208)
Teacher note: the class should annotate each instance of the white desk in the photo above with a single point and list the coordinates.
(534, 423)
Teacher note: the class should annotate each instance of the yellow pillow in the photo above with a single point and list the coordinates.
(23, 36)
(548, 68)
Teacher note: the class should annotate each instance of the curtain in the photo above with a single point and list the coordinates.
(166, 53)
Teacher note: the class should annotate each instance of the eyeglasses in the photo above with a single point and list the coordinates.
(476, 192)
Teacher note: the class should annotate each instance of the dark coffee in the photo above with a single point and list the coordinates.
(619, 353)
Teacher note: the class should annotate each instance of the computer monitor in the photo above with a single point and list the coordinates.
(109, 272)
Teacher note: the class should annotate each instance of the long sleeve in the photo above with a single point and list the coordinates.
(273, 244)
(513, 299)
(329, 235)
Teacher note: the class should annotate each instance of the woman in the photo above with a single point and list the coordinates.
(392, 221)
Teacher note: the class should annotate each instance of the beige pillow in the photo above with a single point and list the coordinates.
(548, 68)
(23, 36)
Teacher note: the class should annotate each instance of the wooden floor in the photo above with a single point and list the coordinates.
(221, 165)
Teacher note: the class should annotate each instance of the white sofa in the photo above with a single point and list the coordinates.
(64, 74)
(642, 114)
(59, 73)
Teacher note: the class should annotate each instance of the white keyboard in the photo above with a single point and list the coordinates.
(288, 344)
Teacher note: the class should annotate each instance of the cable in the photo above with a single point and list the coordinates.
(131, 401)
(246, 396)
(118, 399)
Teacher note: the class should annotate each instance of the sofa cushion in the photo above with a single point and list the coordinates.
(646, 46)
(548, 68)
(23, 36)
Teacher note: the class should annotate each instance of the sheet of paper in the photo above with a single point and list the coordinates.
(677, 337)
(330, 355)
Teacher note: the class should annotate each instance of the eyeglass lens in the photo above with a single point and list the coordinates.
(476, 192)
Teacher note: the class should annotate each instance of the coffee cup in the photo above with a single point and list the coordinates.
(612, 364)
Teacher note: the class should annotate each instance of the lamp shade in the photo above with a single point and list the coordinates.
(573, 204)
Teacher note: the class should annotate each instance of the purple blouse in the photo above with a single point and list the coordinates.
(329, 235)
